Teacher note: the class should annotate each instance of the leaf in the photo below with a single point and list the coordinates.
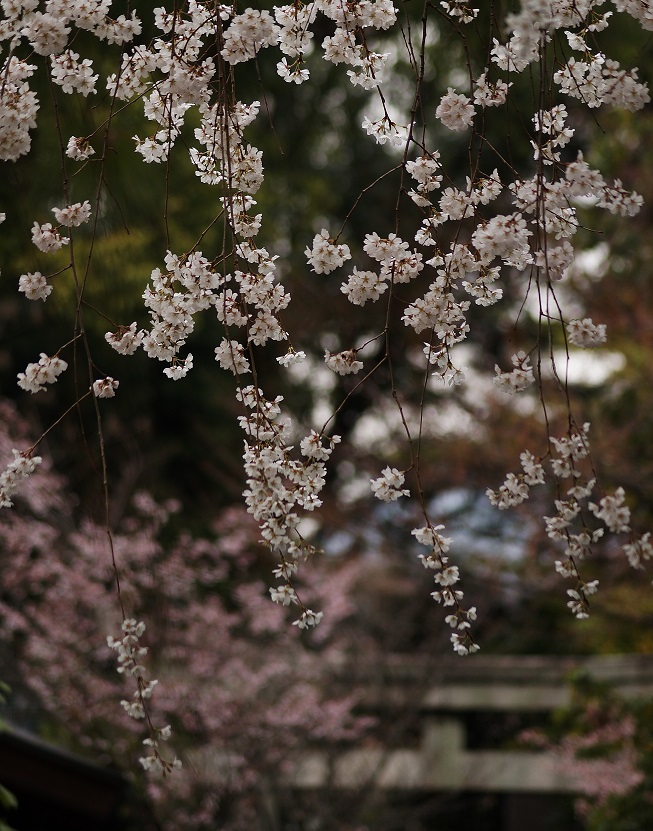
(7, 799)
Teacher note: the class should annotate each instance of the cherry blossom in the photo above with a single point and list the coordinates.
(455, 111)
(20, 468)
(387, 487)
(46, 238)
(37, 375)
(105, 387)
(585, 333)
(519, 378)
(455, 244)
(73, 215)
(34, 286)
(325, 255)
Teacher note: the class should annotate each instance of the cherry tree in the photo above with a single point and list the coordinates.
(246, 699)
(486, 159)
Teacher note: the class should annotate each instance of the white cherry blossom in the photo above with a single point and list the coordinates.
(34, 286)
(455, 111)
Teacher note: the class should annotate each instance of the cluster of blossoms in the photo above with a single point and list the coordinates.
(343, 363)
(472, 235)
(73, 215)
(48, 239)
(190, 285)
(446, 577)
(37, 375)
(515, 488)
(570, 526)
(278, 485)
(20, 468)
(585, 333)
(387, 487)
(105, 387)
(397, 264)
(34, 286)
(455, 111)
(518, 378)
(325, 255)
(48, 33)
(18, 108)
(72, 75)
(459, 10)
(130, 655)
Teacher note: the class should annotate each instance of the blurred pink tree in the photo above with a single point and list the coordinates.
(242, 692)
